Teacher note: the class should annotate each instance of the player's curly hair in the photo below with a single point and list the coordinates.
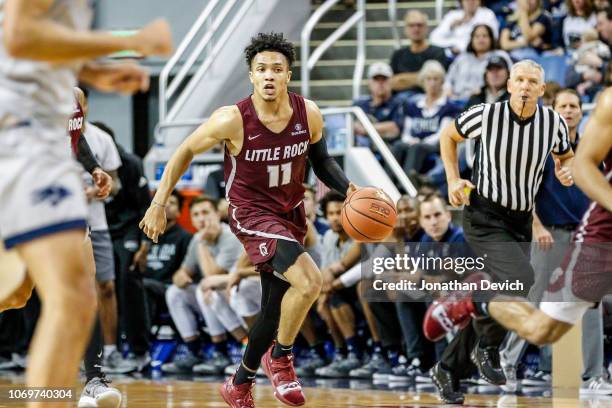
(269, 42)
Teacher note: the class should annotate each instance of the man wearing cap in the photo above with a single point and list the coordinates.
(384, 109)
(494, 90)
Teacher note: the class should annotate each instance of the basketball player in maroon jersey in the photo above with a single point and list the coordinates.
(268, 137)
(585, 273)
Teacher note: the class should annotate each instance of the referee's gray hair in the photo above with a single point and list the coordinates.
(431, 67)
(528, 64)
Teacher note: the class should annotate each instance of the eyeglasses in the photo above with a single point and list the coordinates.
(412, 25)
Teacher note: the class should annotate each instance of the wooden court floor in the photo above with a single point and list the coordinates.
(146, 393)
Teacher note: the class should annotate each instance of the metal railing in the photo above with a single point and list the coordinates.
(378, 141)
(309, 60)
(222, 25)
(392, 11)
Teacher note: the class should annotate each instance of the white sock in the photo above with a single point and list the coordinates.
(108, 349)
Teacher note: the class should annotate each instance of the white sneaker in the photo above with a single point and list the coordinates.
(97, 394)
(596, 386)
(511, 381)
(539, 379)
(231, 369)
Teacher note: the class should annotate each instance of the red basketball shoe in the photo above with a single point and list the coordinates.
(280, 372)
(445, 314)
(237, 396)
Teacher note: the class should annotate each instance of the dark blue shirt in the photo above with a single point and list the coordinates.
(450, 245)
(390, 110)
(421, 122)
(544, 19)
(557, 204)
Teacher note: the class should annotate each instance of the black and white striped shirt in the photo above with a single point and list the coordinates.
(511, 153)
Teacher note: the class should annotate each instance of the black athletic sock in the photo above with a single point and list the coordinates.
(320, 349)
(94, 352)
(281, 350)
(221, 347)
(351, 345)
(195, 346)
(243, 375)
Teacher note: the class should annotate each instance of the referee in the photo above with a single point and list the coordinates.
(514, 139)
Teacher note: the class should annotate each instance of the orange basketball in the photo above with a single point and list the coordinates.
(368, 215)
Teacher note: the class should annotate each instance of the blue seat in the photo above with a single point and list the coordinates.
(555, 67)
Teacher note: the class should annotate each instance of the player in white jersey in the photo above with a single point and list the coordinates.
(43, 44)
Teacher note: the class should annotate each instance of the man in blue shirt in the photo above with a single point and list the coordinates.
(384, 109)
(441, 239)
(558, 212)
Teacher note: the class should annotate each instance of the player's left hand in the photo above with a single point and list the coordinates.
(564, 174)
(154, 222)
(103, 182)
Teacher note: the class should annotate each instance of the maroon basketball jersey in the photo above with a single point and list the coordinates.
(596, 225)
(75, 126)
(269, 170)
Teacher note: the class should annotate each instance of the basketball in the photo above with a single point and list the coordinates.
(368, 215)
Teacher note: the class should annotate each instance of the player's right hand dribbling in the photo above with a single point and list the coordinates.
(154, 222)
(458, 192)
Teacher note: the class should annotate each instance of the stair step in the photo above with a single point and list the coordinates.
(374, 30)
(379, 11)
(346, 49)
(332, 69)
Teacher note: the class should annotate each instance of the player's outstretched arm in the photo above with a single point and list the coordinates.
(27, 33)
(323, 165)
(592, 150)
(225, 125)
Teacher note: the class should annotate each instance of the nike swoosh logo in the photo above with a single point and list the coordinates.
(100, 354)
(254, 137)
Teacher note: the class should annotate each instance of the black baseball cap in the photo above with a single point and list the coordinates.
(497, 62)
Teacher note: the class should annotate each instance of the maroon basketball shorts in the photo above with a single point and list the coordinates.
(582, 280)
(259, 230)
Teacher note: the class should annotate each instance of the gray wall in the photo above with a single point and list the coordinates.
(116, 110)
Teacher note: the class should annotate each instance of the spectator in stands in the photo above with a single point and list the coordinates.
(426, 115)
(552, 88)
(400, 316)
(336, 308)
(407, 62)
(601, 4)
(604, 25)
(494, 90)
(589, 65)
(310, 208)
(164, 258)
(527, 32)
(212, 252)
(123, 212)
(454, 30)
(466, 73)
(580, 17)
(383, 108)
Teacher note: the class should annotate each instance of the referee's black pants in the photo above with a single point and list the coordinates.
(503, 238)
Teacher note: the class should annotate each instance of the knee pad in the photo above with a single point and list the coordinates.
(287, 252)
